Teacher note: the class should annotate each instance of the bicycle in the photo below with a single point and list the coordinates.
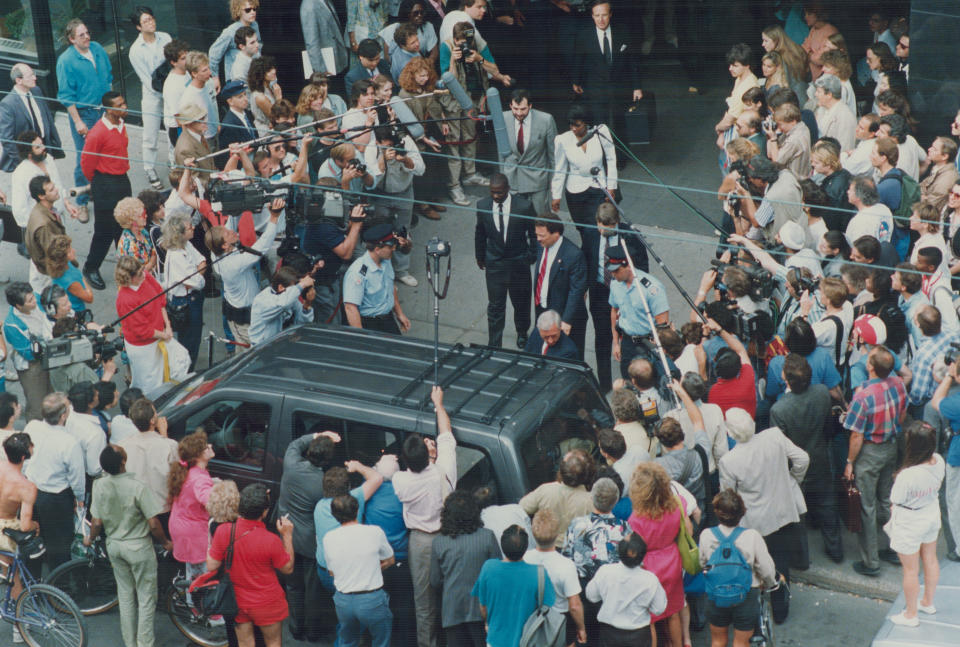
(763, 637)
(44, 615)
(89, 579)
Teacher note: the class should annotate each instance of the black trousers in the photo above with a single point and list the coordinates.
(106, 191)
(397, 582)
(466, 634)
(822, 510)
(602, 334)
(610, 636)
(503, 278)
(54, 513)
(783, 545)
(384, 323)
(583, 210)
(307, 599)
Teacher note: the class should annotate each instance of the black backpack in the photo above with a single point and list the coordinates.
(159, 76)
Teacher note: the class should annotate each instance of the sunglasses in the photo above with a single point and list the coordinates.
(250, 10)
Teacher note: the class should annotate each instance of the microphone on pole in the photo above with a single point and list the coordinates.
(407, 118)
(450, 83)
(590, 134)
(249, 250)
(499, 125)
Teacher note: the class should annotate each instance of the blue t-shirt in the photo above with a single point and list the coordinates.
(950, 409)
(324, 522)
(508, 590)
(822, 371)
(385, 510)
(68, 278)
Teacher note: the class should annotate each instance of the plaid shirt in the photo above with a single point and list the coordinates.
(876, 408)
(932, 348)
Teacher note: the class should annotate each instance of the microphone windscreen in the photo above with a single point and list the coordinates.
(499, 125)
(450, 82)
(407, 118)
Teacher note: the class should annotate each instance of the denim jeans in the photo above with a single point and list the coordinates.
(357, 612)
(88, 116)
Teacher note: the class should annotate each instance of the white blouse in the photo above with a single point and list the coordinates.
(179, 264)
(573, 163)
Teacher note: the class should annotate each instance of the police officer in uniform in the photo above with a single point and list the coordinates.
(369, 294)
(632, 336)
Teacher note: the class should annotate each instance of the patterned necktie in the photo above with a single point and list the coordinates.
(503, 230)
(520, 139)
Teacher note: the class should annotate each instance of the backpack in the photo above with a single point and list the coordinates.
(909, 196)
(546, 627)
(727, 573)
(159, 76)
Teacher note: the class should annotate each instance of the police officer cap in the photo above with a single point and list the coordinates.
(233, 88)
(616, 258)
(380, 234)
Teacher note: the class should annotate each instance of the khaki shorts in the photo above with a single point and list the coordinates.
(5, 542)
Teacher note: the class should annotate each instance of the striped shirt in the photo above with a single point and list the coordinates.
(876, 408)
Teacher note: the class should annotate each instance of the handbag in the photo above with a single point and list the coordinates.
(850, 500)
(179, 315)
(212, 591)
(546, 627)
(689, 551)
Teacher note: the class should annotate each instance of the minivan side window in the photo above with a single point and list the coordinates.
(473, 469)
(237, 429)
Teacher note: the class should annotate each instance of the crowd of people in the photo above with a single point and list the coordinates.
(822, 351)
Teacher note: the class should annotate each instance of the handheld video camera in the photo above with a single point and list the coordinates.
(249, 194)
(762, 283)
(80, 345)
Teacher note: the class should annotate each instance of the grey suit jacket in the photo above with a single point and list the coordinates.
(15, 119)
(321, 28)
(538, 153)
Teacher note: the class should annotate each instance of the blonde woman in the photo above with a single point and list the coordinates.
(774, 74)
(314, 98)
(134, 241)
(184, 263)
(775, 39)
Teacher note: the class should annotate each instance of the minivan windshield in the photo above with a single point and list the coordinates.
(573, 424)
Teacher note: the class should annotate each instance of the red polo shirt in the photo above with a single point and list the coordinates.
(257, 553)
(740, 391)
(105, 150)
(139, 327)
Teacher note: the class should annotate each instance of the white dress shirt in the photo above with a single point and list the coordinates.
(604, 34)
(30, 103)
(551, 254)
(181, 263)
(122, 427)
(506, 216)
(857, 161)
(173, 88)
(629, 595)
(353, 553)
(57, 460)
(572, 163)
(86, 430)
(21, 202)
(422, 493)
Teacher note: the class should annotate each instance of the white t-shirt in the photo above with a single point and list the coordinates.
(353, 555)
(173, 88)
(875, 220)
(562, 573)
(826, 331)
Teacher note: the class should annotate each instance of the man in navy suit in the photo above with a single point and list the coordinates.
(504, 244)
(237, 124)
(547, 338)
(370, 65)
(560, 279)
(606, 69)
(25, 108)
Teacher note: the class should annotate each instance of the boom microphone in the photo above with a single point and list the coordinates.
(406, 116)
(499, 125)
(249, 250)
(450, 82)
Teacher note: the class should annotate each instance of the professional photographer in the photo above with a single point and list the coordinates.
(155, 357)
(398, 162)
(25, 323)
(287, 302)
(62, 378)
(734, 284)
(369, 294)
(470, 64)
(352, 172)
(238, 270)
(781, 201)
(792, 237)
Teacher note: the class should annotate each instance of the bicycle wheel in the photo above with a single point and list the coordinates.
(191, 623)
(47, 617)
(90, 583)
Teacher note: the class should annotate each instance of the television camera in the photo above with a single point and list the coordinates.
(82, 344)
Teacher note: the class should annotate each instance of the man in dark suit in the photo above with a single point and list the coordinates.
(606, 68)
(560, 279)
(504, 245)
(613, 232)
(237, 123)
(370, 64)
(25, 108)
(547, 338)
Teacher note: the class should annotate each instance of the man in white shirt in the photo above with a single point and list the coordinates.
(173, 86)
(560, 569)
(872, 218)
(200, 92)
(146, 55)
(857, 161)
(35, 162)
(834, 118)
(248, 46)
(837, 318)
(287, 301)
(85, 427)
(430, 476)
(150, 452)
(57, 469)
(356, 556)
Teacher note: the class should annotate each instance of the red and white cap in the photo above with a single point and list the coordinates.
(871, 328)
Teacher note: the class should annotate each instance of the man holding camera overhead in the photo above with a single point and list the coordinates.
(369, 294)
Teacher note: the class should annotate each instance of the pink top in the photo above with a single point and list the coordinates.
(663, 556)
(189, 518)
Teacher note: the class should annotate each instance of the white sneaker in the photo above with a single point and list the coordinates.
(17, 638)
(929, 610)
(901, 619)
(216, 621)
(409, 280)
(477, 180)
(459, 197)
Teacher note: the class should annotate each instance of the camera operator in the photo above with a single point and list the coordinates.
(275, 163)
(781, 201)
(799, 280)
(238, 271)
(62, 378)
(25, 323)
(836, 321)
(398, 162)
(369, 294)
(326, 241)
(351, 172)
(792, 237)
(287, 302)
(737, 285)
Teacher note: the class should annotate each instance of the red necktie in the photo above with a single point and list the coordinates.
(541, 275)
(543, 351)
(520, 139)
